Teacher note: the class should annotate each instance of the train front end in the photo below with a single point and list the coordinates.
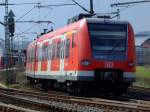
(111, 54)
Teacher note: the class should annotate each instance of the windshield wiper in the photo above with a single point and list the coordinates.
(116, 45)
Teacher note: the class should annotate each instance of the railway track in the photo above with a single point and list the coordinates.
(141, 89)
(12, 108)
(59, 102)
(139, 93)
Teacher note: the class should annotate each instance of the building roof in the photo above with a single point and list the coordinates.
(142, 37)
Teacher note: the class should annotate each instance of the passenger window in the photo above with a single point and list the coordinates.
(58, 50)
(73, 41)
(49, 52)
(40, 54)
(67, 48)
(62, 50)
(33, 55)
(28, 56)
(36, 54)
(46, 51)
(53, 51)
(43, 53)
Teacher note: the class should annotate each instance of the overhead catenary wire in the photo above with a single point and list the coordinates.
(30, 21)
(128, 3)
(44, 6)
(125, 5)
(29, 29)
(81, 6)
(54, 5)
(18, 4)
(39, 6)
(25, 14)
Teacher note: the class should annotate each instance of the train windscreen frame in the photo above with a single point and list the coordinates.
(107, 40)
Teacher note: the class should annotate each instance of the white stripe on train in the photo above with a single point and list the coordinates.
(72, 75)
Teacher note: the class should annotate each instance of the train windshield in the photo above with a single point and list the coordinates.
(107, 38)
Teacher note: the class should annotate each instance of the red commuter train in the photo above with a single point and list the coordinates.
(90, 53)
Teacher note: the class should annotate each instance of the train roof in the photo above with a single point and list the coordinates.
(60, 31)
(75, 25)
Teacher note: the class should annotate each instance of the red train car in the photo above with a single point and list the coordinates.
(90, 53)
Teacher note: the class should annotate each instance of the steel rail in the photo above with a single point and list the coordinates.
(12, 108)
(101, 103)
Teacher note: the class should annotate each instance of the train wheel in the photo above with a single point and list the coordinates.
(73, 88)
(51, 84)
(44, 84)
(120, 90)
(30, 80)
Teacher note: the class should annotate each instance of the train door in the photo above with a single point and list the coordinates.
(44, 57)
(55, 56)
(62, 56)
(35, 58)
(49, 57)
(39, 59)
(69, 52)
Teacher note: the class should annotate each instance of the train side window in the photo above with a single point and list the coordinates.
(53, 51)
(32, 59)
(46, 56)
(58, 50)
(31, 55)
(49, 52)
(44, 52)
(36, 54)
(73, 40)
(61, 50)
(28, 56)
(67, 48)
(40, 54)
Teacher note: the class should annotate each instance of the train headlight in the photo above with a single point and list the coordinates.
(85, 62)
(131, 64)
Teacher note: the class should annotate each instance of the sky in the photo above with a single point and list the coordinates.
(137, 14)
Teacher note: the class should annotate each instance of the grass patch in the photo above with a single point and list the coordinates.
(142, 76)
(143, 71)
(12, 77)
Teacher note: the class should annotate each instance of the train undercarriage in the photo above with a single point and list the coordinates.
(98, 86)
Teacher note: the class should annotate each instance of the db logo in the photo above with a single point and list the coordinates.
(109, 64)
